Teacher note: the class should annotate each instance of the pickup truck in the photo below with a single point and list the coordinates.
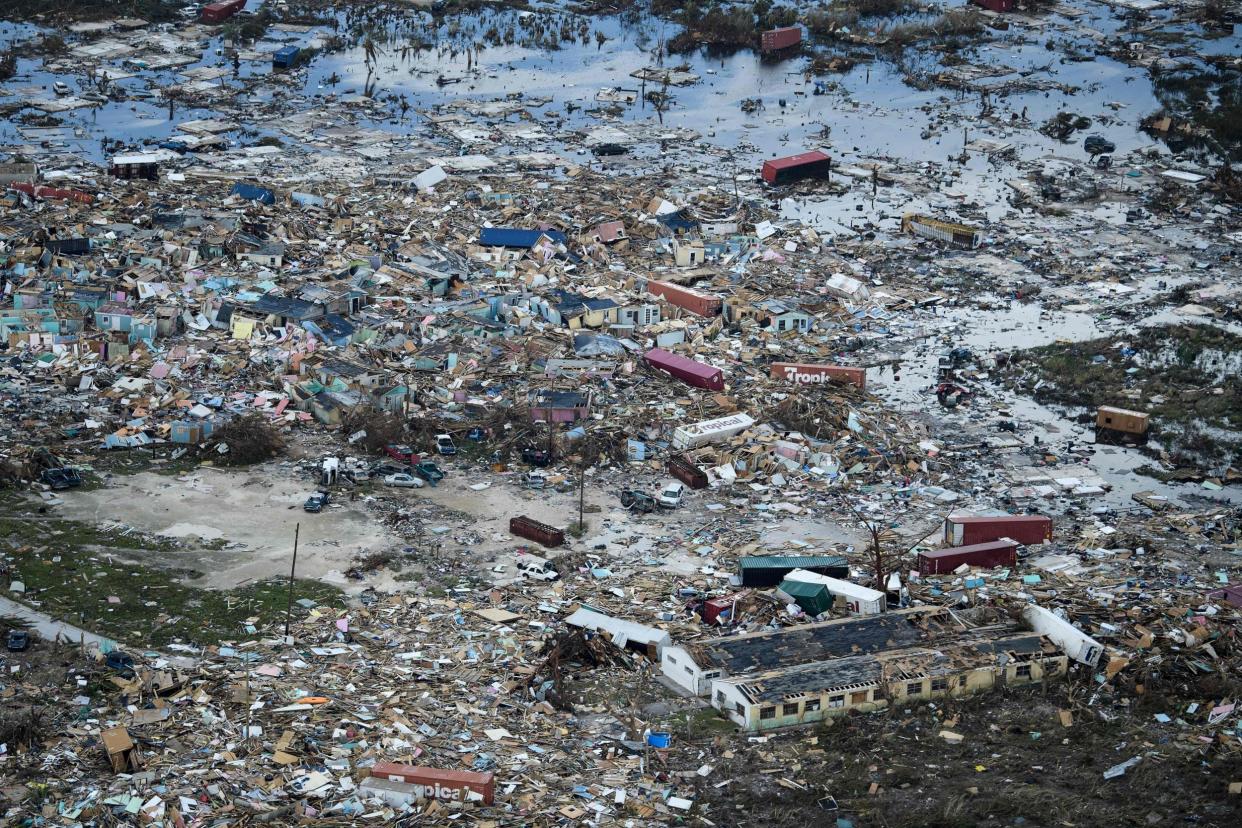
(429, 471)
(445, 445)
(316, 502)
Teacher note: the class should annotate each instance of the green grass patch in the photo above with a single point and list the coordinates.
(88, 576)
(1179, 374)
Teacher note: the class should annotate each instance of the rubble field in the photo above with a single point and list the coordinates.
(552, 414)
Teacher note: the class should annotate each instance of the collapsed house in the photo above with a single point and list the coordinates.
(803, 674)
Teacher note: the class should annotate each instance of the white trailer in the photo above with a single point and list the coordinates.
(710, 431)
(861, 600)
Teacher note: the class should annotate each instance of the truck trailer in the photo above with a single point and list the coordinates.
(987, 555)
(692, 373)
(960, 530)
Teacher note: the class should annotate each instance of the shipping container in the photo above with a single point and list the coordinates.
(816, 374)
(40, 191)
(686, 298)
(285, 58)
(813, 164)
(996, 5)
(1120, 423)
(452, 785)
(987, 555)
(770, 570)
(710, 431)
(775, 40)
(219, 12)
(531, 529)
(687, 370)
(860, 600)
(960, 235)
(971, 529)
(687, 472)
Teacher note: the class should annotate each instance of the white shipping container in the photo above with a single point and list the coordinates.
(710, 431)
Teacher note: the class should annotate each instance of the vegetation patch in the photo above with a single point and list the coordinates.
(86, 576)
(1185, 376)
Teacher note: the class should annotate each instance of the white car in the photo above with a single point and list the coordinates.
(670, 495)
(404, 481)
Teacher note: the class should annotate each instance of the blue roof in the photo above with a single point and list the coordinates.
(516, 237)
(287, 52)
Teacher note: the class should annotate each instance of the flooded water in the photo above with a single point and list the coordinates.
(416, 64)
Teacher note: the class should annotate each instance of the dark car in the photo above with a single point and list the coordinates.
(385, 469)
(122, 663)
(18, 640)
(610, 149)
(536, 457)
(429, 471)
(637, 501)
(316, 502)
(1098, 145)
(62, 478)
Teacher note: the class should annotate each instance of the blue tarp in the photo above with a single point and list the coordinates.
(252, 193)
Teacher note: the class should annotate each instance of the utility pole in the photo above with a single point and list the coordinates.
(293, 568)
(581, 496)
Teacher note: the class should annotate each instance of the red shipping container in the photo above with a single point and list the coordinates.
(813, 374)
(776, 39)
(695, 301)
(813, 164)
(687, 472)
(687, 370)
(40, 191)
(539, 532)
(984, 555)
(218, 12)
(455, 786)
(1025, 529)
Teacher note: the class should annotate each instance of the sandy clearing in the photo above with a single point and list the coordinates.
(253, 511)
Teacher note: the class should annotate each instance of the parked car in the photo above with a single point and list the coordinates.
(429, 471)
(61, 88)
(62, 478)
(445, 445)
(670, 495)
(400, 453)
(316, 502)
(535, 480)
(122, 663)
(18, 640)
(637, 501)
(536, 457)
(385, 469)
(404, 481)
